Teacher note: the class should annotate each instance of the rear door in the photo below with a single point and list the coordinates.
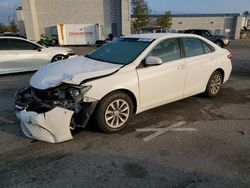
(200, 62)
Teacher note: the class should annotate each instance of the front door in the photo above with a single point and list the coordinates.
(26, 55)
(162, 83)
(6, 60)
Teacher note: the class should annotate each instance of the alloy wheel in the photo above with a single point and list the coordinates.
(215, 84)
(58, 58)
(117, 113)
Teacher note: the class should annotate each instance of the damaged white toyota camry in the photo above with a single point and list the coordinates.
(125, 77)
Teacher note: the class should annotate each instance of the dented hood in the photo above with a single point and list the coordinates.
(73, 71)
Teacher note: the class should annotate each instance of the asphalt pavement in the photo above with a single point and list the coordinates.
(203, 143)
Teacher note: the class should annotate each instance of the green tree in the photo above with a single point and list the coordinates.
(141, 12)
(13, 27)
(2, 28)
(165, 21)
(246, 14)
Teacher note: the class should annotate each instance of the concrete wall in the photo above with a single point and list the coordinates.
(125, 17)
(20, 22)
(240, 23)
(30, 19)
(40, 15)
(223, 24)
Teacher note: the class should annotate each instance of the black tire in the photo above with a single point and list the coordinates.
(58, 57)
(214, 84)
(219, 43)
(104, 111)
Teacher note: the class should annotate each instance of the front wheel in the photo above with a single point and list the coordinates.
(114, 112)
(58, 58)
(214, 84)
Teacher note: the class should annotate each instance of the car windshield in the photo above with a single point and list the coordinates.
(121, 51)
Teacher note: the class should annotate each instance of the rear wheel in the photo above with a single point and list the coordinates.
(114, 112)
(58, 58)
(214, 84)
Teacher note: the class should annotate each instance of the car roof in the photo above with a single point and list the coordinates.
(159, 35)
(11, 37)
(20, 38)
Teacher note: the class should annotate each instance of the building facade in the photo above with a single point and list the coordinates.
(20, 21)
(229, 25)
(38, 16)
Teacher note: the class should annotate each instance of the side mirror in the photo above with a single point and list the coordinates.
(153, 61)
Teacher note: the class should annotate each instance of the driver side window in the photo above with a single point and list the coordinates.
(17, 44)
(167, 50)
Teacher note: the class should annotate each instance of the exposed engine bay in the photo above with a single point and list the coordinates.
(49, 114)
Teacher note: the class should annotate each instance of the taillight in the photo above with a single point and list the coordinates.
(230, 56)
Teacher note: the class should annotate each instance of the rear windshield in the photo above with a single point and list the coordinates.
(121, 51)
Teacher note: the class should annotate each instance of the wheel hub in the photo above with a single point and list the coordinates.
(116, 113)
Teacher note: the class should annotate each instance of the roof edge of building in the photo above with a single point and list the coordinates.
(196, 15)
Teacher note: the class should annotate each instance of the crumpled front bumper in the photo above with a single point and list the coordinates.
(52, 126)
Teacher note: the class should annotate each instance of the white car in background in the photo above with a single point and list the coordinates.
(124, 77)
(20, 55)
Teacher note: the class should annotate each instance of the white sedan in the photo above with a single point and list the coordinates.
(20, 55)
(124, 77)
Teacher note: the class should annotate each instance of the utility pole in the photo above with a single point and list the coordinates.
(10, 23)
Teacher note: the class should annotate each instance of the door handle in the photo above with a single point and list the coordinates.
(181, 67)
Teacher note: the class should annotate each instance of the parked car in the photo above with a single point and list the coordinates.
(165, 31)
(124, 77)
(220, 40)
(19, 55)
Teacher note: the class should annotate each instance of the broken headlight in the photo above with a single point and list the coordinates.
(77, 91)
(74, 92)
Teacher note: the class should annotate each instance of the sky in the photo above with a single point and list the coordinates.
(8, 10)
(200, 6)
(8, 7)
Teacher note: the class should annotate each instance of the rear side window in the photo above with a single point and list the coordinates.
(3, 44)
(192, 47)
(207, 48)
(16, 44)
(167, 50)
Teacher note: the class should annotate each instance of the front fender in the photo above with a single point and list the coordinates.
(119, 81)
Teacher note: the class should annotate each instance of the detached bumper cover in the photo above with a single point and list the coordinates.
(52, 126)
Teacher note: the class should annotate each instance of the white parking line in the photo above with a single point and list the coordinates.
(184, 129)
(3, 119)
(160, 131)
